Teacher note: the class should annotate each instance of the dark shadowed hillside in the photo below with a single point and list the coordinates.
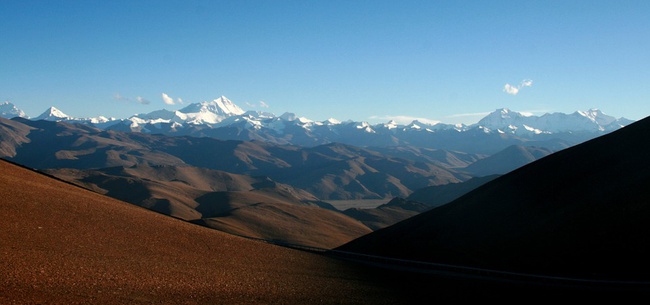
(507, 160)
(419, 201)
(583, 211)
(437, 195)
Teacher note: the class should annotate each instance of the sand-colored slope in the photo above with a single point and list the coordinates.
(62, 244)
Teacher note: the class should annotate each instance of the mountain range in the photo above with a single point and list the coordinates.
(557, 196)
(223, 119)
(109, 161)
(331, 171)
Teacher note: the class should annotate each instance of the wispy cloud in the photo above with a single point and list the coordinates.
(403, 119)
(260, 104)
(139, 99)
(119, 97)
(513, 90)
(170, 101)
(465, 115)
(142, 100)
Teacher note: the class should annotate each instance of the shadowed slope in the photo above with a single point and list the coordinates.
(507, 160)
(421, 200)
(62, 244)
(582, 211)
(438, 195)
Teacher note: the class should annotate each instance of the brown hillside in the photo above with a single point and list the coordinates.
(62, 244)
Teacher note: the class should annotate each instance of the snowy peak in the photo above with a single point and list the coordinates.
(221, 107)
(592, 120)
(209, 112)
(597, 116)
(499, 116)
(9, 110)
(288, 116)
(53, 114)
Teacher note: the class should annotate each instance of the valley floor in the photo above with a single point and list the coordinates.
(343, 205)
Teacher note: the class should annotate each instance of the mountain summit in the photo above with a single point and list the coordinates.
(53, 114)
(593, 120)
(221, 106)
(194, 114)
(9, 110)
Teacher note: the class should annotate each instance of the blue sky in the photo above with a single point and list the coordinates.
(361, 60)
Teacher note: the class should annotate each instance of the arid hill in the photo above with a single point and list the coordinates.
(62, 244)
(583, 211)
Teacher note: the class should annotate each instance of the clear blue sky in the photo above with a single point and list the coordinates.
(360, 60)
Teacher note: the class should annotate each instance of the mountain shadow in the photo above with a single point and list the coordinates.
(583, 211)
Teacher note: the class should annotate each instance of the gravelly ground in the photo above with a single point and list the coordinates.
(63, 245)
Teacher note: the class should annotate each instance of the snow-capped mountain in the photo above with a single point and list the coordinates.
(53, 114)
(196, 114)
(223, 119)
(593, 120)
(221, 106)
(9, 110)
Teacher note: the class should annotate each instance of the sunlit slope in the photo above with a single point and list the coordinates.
(62, 244)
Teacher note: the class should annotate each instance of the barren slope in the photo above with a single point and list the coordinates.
(62, 244)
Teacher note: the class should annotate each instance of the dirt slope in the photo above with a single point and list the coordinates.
(61, 244)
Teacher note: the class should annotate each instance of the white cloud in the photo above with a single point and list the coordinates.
(512, 90)
(119, 97)
(508, 88)
(170, 101)
(403, 119)
(263, 104)
(142, 100)
(138, 99)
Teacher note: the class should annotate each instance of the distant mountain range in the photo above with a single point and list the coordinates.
(331, 171)
(223, 119)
